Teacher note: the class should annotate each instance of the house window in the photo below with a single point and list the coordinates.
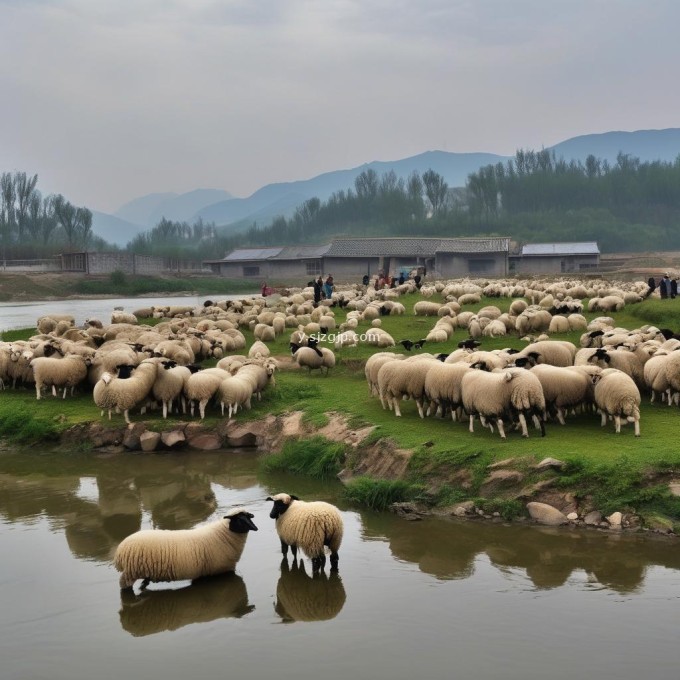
(313, 267)
(478, 266)
(251, 271)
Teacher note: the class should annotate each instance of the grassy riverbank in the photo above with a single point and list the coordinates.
(448, 464)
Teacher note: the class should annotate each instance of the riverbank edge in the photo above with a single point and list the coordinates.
(514, 490)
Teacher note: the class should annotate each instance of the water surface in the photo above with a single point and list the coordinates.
(430, 599)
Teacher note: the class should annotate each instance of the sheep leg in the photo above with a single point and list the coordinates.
(472, 424)
(523, 424)
(37, 391)
(54, 390)
(318, 563)
(201, 407)
(222, 406)
(560, 416)
(165, 409)
(284, 549)
(637, 428)
(65, 389)
(397, 410)
(419, 404)
(127, 417)
(499, 425)
(603, 419)
(617, 424)
(335, 558)
(540, 424)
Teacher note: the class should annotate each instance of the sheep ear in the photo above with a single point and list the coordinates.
(269, 498)
(294, 498)
(508, 376)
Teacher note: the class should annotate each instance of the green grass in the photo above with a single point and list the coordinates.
(379, 494)
(609, 467)
(315, 457)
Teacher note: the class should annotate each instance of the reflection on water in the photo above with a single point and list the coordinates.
(306, 597)
(206, 599)
(177, 491)
(448, 549)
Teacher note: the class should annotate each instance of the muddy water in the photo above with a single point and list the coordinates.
(432, 599)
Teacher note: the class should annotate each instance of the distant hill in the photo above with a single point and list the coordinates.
(140, 210)
(284, 197)
(235, 214)
(113, 229)
(647, 145)
(148, 210)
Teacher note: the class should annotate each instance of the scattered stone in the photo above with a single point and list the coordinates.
(410, 511)
(593, 518)
(480, 512)
(208, 441)
(546, 514)
(132, 435)
(496, 514)
(573, 516)
(499, 479)
(464, 508)
(615, 519)
(173, 438)
(529, 491)
(148, 441)
(548, 463)
(674, 487)
(501, 464)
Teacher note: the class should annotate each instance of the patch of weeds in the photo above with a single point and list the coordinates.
(449, 495)
(507, 508)
(20, 425)
(315, 457)
(379, 494)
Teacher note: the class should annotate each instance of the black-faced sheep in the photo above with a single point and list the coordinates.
(173, 555)
(311, 526)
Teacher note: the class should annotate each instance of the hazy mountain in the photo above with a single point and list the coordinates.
(214, 205)
(113, 229)
(140, 210)
(647, 145)
(272, 198)
(150, 209)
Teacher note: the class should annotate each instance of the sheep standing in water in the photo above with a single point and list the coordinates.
(311, 526)
(174, 555)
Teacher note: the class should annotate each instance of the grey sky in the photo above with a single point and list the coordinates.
(111, 99)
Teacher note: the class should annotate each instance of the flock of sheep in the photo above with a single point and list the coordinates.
(131, 365)
(188, 554)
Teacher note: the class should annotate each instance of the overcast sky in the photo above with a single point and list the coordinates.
(108, 100)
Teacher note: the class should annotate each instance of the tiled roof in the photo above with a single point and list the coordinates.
(247, 254)
(414, 247)
(301, 252)
(584, 248)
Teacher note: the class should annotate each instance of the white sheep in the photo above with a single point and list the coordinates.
(311, 526)
(59, 373)
(119, 316)
(123, 393)
(502, 394)
(564, 387)
(234, 392)
(202, 386)
(314, 358)
(173, 555)
(617, 396)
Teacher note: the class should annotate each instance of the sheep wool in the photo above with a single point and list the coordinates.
(311, 526)
(173, 555)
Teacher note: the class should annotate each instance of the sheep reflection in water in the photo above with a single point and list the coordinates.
(304, 597)
(206, 599)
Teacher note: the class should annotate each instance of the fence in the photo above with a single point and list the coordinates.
(52, 264)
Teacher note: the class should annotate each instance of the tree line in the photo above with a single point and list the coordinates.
(36, 226)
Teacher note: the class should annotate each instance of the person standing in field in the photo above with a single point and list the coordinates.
(328, 287)
(318, 290)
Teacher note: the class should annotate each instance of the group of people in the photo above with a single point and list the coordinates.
(383, 280)
(323, 290)
(668, 288)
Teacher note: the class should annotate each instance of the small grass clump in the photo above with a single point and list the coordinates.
(379, 494)
(24, 426)
(315, 457)
(507, 508)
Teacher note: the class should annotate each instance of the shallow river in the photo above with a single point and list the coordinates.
(431, 599)
(25, 314)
